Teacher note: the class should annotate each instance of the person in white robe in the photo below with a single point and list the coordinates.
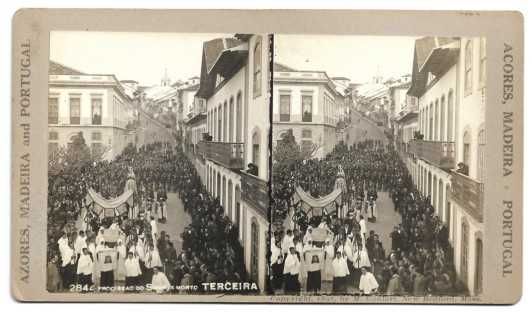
(122, 254)
(287, 242)
(62, 242)
(276, 262)
(68, 258)
(363, 228)
(154, 228)
(132, 271)
(300, 250)
(100, 237)
(152, 260)
(291, 272)
(327, 264)
(159, 282)
(80, 243)
(340, 273)
(360, 260)
(85, 269)
(368, 284)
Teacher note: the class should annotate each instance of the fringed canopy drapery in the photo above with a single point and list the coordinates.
(109, 207)
(317, 205)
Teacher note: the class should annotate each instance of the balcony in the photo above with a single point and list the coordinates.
(229, 155)
(440, 154)
(468, 193)
(255, 192)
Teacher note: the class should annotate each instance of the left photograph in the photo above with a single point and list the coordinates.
(158, 163)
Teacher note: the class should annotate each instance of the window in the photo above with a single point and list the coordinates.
(96, 109)
(231, 120)
(306, 134)
(478, 267)
(284, 107)
(306, 101)
(96, 136)
(53, 136)
(483, 63)
(467, 149)
(223, 197)
(255, 154)
(254, 250)
(442, 119)
(53, 110)
(220, 132)
(237, 209)
(74, 110)
(465, 251)
(468, 70)
(431, 123)
(481, 174)
(239, 117)
(436, 120)
(450, 117)
(257, 67)
(224, 138)
(230, 200)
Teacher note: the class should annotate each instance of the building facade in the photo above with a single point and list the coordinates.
(234, 84)
(449, 80)
(308, 104)
(95, 105)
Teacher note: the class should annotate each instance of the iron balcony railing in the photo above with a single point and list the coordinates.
(255, 191)
(229, 155)
(440, 154)
(468, 193)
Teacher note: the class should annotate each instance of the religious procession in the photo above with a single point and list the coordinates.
(328, 235)
(106, 219)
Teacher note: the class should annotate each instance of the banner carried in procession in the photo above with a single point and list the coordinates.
(316, 205)
(109, 207)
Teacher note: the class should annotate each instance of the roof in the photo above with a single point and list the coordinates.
(215, 53)
(213, 48)
(56, 68)
(422, 50)
(281, 67)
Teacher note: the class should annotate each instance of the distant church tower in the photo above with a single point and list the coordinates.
(165, 81)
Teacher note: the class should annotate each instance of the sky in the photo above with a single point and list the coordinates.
(358, 58)
(138, 56)
(145, 56)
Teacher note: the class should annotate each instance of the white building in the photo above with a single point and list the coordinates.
(449, 82)
(234, 83)
(308, 104)
(95, 105)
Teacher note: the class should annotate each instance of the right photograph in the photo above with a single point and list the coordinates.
(378, 165)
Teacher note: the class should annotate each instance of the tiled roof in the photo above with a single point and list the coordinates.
(60, 69)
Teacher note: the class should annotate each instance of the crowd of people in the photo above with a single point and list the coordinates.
(88, 251)
(345, 255)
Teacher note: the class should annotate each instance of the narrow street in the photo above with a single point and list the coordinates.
(387, 218)
(177, 220)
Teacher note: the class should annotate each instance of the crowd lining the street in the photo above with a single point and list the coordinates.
(90, 252)
(350, 258)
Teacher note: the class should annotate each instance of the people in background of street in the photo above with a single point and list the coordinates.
(419, 261)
